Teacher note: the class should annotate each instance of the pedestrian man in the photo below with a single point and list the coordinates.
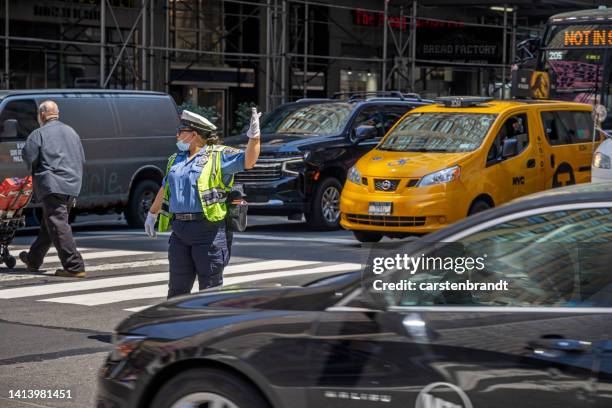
(55, 157)
(193, 200)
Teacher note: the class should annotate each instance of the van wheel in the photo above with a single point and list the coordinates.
(325, 207)
(364, 236)
(204, 387)
(479, 206)
(140, 201)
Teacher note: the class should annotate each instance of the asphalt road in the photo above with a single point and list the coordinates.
(55, 332)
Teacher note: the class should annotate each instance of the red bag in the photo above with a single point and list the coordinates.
(24, 194)
(15, 193)
(9, 189)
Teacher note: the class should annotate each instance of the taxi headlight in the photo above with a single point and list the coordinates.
(601, 161)
(441, 177)
(354, 175)
(124, 345)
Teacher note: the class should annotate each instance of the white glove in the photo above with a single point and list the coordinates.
(253, 131)
(150, 225)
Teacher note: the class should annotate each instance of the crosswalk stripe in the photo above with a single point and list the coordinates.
(160, 291)
(104, 283)
(102, 255)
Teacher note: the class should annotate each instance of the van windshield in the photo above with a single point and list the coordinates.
(439, 132)
(320, 119)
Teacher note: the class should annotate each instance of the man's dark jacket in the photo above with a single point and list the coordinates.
(55, 156)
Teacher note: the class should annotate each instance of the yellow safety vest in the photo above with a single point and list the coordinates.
(213, 193)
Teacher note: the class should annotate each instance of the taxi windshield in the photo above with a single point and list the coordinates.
(439, 132)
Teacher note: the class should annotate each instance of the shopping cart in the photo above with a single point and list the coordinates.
(15, 195)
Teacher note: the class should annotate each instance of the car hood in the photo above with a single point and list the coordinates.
(379, 163)
(231, 303)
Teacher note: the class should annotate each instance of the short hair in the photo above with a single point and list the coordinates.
(48, 106)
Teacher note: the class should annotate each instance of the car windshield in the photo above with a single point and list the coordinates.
(439, 132)
(318, 119)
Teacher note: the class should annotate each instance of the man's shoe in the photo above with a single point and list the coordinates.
(23, 256)
(67, 274)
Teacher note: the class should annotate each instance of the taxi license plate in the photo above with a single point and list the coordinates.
(379, 208)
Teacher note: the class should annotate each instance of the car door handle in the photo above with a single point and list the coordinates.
(540, 346)
(552, 161)
(531, 163)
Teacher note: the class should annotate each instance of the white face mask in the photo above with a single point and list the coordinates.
(182, 145)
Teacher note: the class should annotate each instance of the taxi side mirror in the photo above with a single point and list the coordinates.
(510, 148)
(9, 129)
(365, 132)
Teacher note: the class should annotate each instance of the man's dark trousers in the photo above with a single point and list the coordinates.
(55, 229)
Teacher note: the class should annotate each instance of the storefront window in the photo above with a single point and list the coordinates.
(358, 81)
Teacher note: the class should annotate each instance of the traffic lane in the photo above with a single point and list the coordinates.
(78, 374)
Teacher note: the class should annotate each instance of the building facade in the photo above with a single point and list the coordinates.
(224, 53)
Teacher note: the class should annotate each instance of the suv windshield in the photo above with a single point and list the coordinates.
(439, 132)
(319, 119)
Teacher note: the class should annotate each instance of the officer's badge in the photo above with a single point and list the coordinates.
(201, 162)
(231, 150)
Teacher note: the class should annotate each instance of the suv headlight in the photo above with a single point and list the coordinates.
(441, 177)
(354, 175)
(124, 345)
(601, 161)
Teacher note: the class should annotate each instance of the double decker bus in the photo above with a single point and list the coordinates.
(573, 62)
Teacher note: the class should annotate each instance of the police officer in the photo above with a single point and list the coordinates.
(193, 200)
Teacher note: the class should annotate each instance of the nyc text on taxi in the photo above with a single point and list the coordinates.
(445, 161)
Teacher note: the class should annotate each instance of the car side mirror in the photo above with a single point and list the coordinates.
(510, 148)
(365, 132)
(9, 128)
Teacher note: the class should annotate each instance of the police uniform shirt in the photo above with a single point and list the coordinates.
(183, 177)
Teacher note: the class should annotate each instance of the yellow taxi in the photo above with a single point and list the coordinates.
(462, 155)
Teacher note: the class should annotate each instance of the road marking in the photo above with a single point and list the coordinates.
(314, 239)
(104, 283)
(160, 291)
(308, 238)
(103, 255)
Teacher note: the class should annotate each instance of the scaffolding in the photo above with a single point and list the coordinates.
(164, 35)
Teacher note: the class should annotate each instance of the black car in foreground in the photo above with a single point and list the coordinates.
(308, 147)
(543, 342)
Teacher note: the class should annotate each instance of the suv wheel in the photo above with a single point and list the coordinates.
(325, 210)
(365, 236)
(204, 387)
(140, 201)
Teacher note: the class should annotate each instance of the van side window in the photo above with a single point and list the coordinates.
(515, 127)
(25, 111)
(564, 127)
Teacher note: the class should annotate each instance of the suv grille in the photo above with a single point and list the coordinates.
(386, 220)
(267, 168)
(260, 172)
(385, 185)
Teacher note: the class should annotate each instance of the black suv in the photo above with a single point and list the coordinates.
(308, 147)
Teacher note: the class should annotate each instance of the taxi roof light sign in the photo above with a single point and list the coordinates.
(462, 101)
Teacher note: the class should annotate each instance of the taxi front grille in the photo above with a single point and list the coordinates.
(385, 185)
(386, 220)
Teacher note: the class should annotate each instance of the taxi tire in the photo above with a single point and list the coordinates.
(479, 206)
(209, 380)
(134, 213)
(315, 218)
(367, 237)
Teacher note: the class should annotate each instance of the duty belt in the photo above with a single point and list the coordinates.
(189, 216)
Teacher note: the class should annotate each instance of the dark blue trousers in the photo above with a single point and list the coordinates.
(197, 248)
